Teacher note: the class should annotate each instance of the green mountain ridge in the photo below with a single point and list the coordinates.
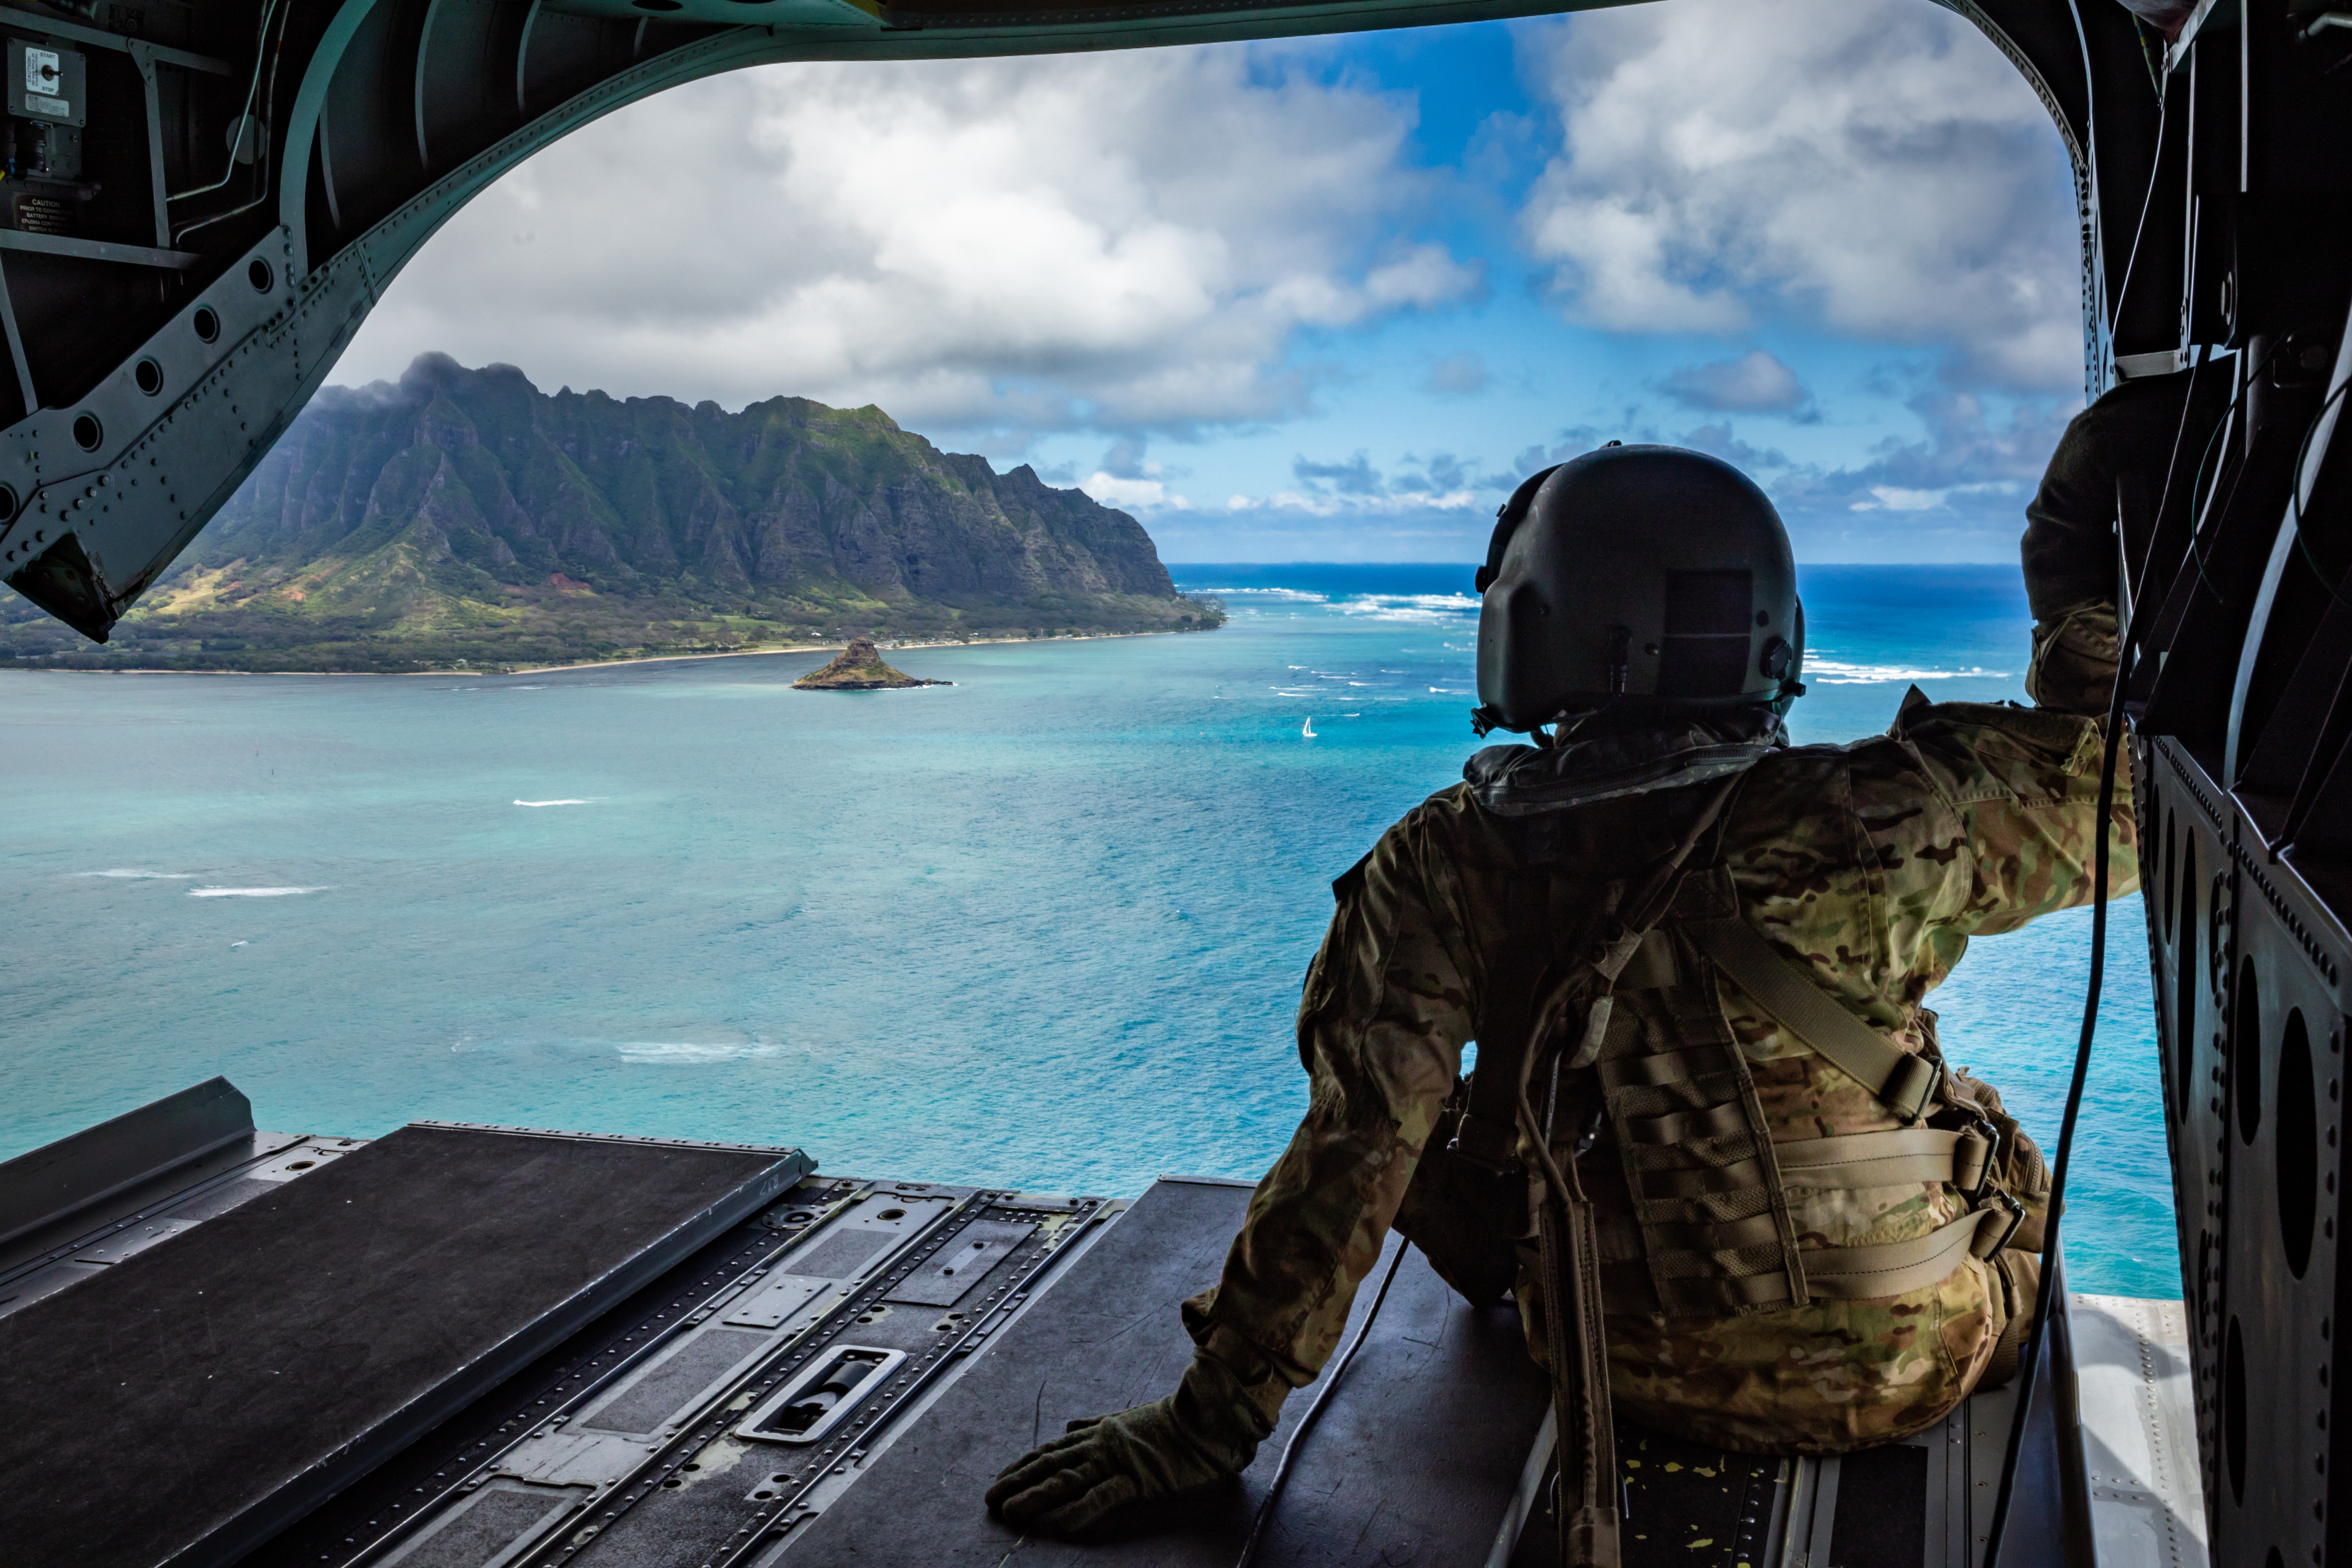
(463, 516)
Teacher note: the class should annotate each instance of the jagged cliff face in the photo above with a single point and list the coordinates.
(788, 495)
(465, 514)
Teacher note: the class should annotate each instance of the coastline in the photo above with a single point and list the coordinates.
(590, 664)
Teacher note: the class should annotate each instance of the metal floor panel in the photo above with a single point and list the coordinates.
(2138, 1412)
(1415, 1461)
(184, 1403)
(619, 1430)
(66, 1182)
(150, 1210)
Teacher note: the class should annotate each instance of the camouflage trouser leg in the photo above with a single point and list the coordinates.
(2017, 1276)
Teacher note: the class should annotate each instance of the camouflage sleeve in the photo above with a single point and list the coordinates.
(2015, 828)
(1388, 1007)
(2120, 445)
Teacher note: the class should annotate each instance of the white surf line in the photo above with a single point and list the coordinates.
(144, 876)
(250, 893)
(687, 1053)
(589, 800)
(1837, 672)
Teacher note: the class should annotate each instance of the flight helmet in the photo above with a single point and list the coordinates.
(1641, 576)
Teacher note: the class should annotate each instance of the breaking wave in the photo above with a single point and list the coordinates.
(1420, 609)
(1834, 672)
(584, 800)
(144, 876)
(689, 1053)
(250, 893)
(1278, 595)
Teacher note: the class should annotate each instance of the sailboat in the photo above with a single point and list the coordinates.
(1307, 730)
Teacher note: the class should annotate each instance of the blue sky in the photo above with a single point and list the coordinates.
(1329, 298)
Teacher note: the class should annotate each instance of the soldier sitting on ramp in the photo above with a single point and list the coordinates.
(1711, 1142)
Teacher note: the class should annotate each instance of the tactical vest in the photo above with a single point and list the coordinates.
(1715, 1205)
(1640, 1049)
(1603, 1012)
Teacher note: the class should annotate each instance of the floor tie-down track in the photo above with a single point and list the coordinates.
(643, 1354)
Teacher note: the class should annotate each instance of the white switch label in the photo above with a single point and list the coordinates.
(42, 73)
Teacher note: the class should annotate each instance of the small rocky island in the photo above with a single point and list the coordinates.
(859, 668)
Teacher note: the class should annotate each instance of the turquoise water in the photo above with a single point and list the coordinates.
(1043, 927)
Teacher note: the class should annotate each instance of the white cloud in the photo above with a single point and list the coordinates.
(1133, 495)
(1757, 381)
(1097, 240)
(1872, 166)
(1328, 503)
(1893, 497)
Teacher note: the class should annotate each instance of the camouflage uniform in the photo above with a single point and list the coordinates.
(1784, 1263)
(1869, 866)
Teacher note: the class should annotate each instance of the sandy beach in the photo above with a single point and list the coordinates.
(608, 663)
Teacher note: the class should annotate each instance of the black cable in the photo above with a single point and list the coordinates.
(2196, 505)
(2146, 200)
(2030, 1363)
(1306, 1422)
(2294, 492)
(2139, 585)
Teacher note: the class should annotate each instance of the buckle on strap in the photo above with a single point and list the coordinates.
(1913, 1089)
(2014, 1220)
(1978, 1134)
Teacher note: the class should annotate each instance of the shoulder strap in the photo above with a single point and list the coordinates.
(1904, 1083)
(1514, 1023)
(1488, 1131)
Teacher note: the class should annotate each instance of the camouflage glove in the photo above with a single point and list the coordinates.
(2074, 654)
(1205, 1431)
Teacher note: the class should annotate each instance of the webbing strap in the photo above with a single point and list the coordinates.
(1628, 1287)
(1688, 1126)
(1569, 1253)
(1653, 966)
(1903, 1082)
(1832, 1273)
(1886, 1159)
(1760, 1231)
(1854, 1159)
(1505, 1020)
(1894, 1268)
(1660, 1068)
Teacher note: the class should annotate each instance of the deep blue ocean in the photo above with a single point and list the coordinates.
(1043, 928)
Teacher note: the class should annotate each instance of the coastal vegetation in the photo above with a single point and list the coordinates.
(463, 519)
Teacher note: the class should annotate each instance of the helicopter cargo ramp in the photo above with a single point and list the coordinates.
(475, 1347)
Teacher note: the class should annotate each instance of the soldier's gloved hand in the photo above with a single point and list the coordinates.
(1205, 1431)
(2075, 655)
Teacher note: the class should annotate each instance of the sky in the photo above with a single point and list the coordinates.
(1330, 299)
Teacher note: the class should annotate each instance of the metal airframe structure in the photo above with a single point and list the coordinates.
(204, 201)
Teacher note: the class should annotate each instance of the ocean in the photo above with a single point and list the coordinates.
(1043, 928)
